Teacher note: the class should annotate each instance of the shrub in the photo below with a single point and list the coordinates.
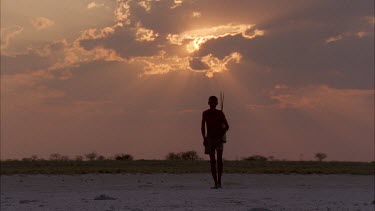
(188, 155)
(64, 158)
(78, 158)
(31, 158)
(91, 156)
(256, 158)
(34, 157)
(123, 157)
(26, 159)
(55, 156)
(172, 156)
(58, 157)
(100, 157)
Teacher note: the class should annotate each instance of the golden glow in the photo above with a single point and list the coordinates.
(177, 3)
(143, 34)
(146, 5)
(217, 65)
(334, 39)
(93, 5)
(200, 36)
(122, 12)
(197, 14)
(163, 63)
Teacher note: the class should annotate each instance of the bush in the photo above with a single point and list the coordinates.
(123, 157)
(189, 155)
(55, 156)
(256, 158)
(91, 156)
(78, 158)
(172, 156)
(31, 158)
(100, 157)
(58, 157)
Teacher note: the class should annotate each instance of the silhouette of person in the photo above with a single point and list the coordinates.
(213, 141)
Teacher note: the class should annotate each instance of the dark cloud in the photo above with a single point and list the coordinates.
(33, 59)
(23, 63)
(124, 42)
(197, 64)
(294, 47)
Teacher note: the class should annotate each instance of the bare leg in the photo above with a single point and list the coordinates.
(213, 167)
(219, 165)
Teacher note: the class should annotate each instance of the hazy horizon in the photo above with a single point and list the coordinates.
(134, 77)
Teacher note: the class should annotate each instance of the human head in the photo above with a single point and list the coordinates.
(212, 101)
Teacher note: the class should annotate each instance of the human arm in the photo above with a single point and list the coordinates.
(203, 128)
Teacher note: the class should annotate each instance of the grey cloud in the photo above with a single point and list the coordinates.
(197, 64)
(164, 20)
(123, 41)
(33, 59)
(23, 63)
(295, 51)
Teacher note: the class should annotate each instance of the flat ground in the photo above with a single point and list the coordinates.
(183, 166)
(187, 192)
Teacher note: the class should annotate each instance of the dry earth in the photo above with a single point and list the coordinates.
(186, 192)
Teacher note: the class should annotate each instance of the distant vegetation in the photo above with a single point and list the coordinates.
(320, 156)
(255, 158)
(189, 155)
(123, 157)
(182, 162)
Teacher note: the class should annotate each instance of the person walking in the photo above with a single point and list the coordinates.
(214, 127)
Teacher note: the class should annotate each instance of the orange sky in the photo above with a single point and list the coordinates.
(133, 77)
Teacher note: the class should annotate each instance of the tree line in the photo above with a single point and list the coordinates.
(187, 155)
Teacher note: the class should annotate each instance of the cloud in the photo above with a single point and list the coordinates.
(24, 90)
(334, 39)
(144, 44)
(196, 14)
(153, 64)
(217, 65)
(363, 28)
(143, 34)
(146, 5)
(95, 33)
(197, 37)
(198, 64)
(93, 5)
(281, 86)
(210, 47)
(74, 56)
(41, 23)
(164, 63)
(122, 11)
(176, 4)
(353, 103)
(7, 34)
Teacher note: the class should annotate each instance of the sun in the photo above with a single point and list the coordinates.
(195, 44)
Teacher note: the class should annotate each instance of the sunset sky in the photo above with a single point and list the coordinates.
(134, 77)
